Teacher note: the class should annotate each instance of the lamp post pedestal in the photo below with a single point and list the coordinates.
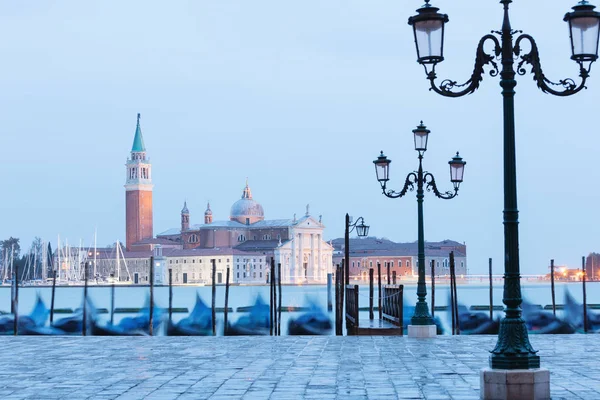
(422, 331)
(503, 384)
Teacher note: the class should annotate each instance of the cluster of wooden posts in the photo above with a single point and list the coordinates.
(583, 283)
(389, 304)
(274, 300)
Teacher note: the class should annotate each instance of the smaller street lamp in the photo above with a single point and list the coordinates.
(362, 230)
(420, 178)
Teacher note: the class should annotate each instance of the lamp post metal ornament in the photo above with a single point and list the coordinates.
(513, 350)
(421, 179)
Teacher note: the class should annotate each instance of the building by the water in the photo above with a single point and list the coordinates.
(296, 243)
(365, 253)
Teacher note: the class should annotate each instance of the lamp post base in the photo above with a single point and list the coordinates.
(422, 331)
(517, 384)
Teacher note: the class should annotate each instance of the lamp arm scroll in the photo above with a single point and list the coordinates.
(409, 184)
(533, 58)
(429, 180)
(482, 58)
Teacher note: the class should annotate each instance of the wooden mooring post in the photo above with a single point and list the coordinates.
(226, 310)
(432, 288)
(151, 319)
(52, 298)
(170, 295)
(329, 282)
(342, 293)
(272, 298)
(16, 300)
(379, 307)
(491, 292)
(84, 320)
(552, 287)
(389, 277)
(585, 318)
(371, 316)
(214, 296)
(112, 304)
(337, 300)
(280, 299)
(453, 273)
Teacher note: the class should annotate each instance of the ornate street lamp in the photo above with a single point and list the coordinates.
(513, 350)
(420, 178)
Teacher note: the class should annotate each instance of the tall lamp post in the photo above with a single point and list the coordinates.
(422, 324)
(513, 350)
(362, 230)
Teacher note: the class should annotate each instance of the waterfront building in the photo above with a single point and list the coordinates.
(295, 243)
(365, 253)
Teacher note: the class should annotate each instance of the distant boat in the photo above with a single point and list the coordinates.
(198, 323)
(543, 322)
(255, 323)
(37, 318)
(478, 323)
(312, 322)
(141, 322)
(574, 315)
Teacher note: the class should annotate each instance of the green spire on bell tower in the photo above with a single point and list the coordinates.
(138, 140)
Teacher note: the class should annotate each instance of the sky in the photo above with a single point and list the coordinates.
(299, 97)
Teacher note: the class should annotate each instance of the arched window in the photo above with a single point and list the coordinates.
(241, 238)
(193, 238)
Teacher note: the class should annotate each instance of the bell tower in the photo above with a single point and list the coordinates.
(185, 218)
(138, 192)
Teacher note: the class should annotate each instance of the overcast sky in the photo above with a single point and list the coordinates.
(299, 97)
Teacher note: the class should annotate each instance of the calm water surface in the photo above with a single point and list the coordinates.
(184, 296)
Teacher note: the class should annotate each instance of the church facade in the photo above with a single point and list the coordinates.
(296, 243)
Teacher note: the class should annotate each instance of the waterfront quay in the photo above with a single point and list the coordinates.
(286, 367)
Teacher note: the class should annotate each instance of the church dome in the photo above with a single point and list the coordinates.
(246, 210)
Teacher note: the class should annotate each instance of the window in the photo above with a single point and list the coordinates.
(170, 261)
(244, 274)
(238, 275)
(193, 261)
(352, 264)
(254, 237)
(261, 274)
(184, 261)
(200, 260)
(193, 238)
(241, 238)
(176, 261)
(254, 275)
(219, 260)
(370, 264)
(228, 260)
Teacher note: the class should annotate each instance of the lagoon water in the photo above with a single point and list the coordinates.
(300, 295)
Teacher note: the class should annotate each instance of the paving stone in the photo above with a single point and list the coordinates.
(279, 368)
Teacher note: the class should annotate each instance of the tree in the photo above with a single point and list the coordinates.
(10, 246)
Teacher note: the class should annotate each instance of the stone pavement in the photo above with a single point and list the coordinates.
(278, 368)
